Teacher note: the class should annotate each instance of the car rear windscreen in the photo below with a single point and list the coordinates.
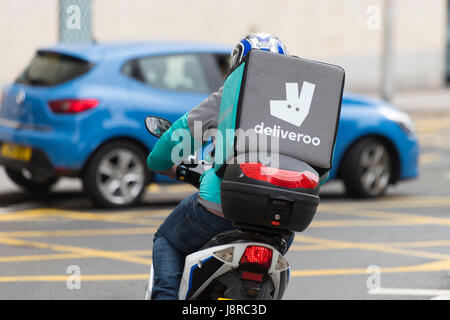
(51, 69)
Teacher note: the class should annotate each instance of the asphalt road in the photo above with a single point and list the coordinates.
(396, 247)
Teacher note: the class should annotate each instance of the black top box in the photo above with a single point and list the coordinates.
(294, 100)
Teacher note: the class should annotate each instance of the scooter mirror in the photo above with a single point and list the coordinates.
(157, 126)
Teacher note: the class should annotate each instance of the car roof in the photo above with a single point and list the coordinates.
(96, 51)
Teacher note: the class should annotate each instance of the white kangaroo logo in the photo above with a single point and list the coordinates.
(295, 108)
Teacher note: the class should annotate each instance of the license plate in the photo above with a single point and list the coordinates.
(16, 152)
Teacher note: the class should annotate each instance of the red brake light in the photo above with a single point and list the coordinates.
(279, 177)
(258, 277)
(257, 255)
(72, 105)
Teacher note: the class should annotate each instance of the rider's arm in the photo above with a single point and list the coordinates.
(204, 117)
(160, 159)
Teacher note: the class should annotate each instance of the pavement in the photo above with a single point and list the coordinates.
(424, 101)
(420, 101)
(57, 246)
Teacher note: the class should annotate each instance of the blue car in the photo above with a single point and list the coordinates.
(78, 110)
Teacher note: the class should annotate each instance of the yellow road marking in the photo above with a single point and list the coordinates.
(40, 257)
(312, 247)
(76, 215)
(419, 244)
(429, 158)
(22, 215)
(137, 252)
(412, 218)
(133, 231)
(371, 247)
(394, 216)
(153, 188)
(77, 233)
(64, 256)
(83, 278)
(367, 209)
(392, 200)
(72, 249)
(127, 216)
(170, 188)
(355, 208)
(331, 246)
(431, 125)
(145, 214)
(179, 188)
(362, 223)
(426, 267)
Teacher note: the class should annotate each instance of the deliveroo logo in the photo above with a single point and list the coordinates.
(296, 107)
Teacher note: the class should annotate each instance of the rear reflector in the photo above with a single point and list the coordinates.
(72, 105)
(257, 255)
(258, 277)
(279, 177)
(225, 254)
(282, 263)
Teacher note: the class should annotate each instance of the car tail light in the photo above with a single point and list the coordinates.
(72, 105)
(257, 255)
(279, 177)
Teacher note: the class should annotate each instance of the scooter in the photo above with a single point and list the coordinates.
(245, 263)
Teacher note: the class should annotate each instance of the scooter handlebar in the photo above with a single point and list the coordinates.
(186, 174)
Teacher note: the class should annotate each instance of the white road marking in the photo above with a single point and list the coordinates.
(20, 207)
(437, 294)
(444, 297)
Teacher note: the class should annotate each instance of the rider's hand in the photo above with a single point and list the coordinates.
(171, 172)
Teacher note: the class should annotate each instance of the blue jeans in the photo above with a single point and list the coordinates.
(183, 232)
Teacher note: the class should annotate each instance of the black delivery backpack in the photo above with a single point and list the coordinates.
(277, 128)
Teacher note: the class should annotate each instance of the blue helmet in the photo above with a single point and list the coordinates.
(261, 41)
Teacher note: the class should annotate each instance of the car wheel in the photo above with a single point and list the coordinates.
(367, 169)
(116, 175)
(31, 181)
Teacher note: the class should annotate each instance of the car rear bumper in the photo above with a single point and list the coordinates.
(38, 162)
(52, 152)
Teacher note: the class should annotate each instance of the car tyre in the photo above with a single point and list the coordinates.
(31, 181)
(367, 169)
(116, 176)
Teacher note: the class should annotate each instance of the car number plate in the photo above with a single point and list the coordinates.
(14, 151)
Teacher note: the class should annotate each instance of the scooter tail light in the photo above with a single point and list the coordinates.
(282, 264)
(225, 254)
(283, 178)
(258, 277)
(257, 255)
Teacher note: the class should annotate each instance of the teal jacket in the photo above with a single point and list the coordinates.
(189, 132)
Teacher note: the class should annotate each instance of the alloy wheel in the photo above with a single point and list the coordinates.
(120, 176)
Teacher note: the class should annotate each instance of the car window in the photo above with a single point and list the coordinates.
(51, 69)
(213, 72)
(174, 72)
(223, 62)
